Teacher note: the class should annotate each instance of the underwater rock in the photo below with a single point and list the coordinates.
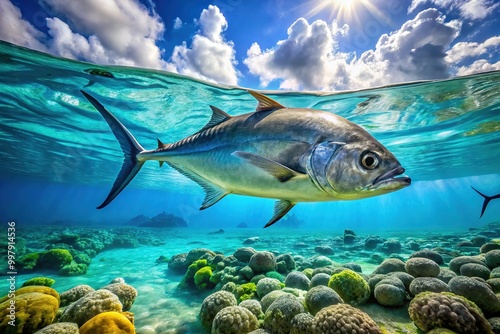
(164, 220)
(297, 280)
(446, 275)
(389, 294)
(353, 266)
(324, 250)
(429, 254)
(343, 318)
(489, 246)
(125, 293)
(251, 240)
(178, 263)
(459, 261)
(390, 265)
(479, 240)
(73, 294)
(475, 270)
(288, 260)
(32, 311)
(219, 231)
(247, 273)
(198, 254)
(266, 285)
(320, 261)
(391, 246)
(319, 279)
(349, 239)
(351, 287)
(430, 310)
(137, 220)
(495, 273)
(494, 283)
(244, 254)
(495, 324)
(234, 320)
(269, 298)
(478, 292)
(45, 281)
(253, 306)
(302, 324)
(242, 225)
(422, 267)
(492, 258)
(403, 277)
(108, 323)
(431, 284)
(279, 315)
(90, 305)
(213, 304)
(372, 241)
(60, 328)
(262, 262)
(320, 297)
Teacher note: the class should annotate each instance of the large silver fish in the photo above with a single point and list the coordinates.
(291, 154)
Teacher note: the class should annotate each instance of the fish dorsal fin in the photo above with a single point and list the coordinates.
(280, 209)
(279, 171)
(213, 193)
(218, 116)
(160, 144)
(265, 103)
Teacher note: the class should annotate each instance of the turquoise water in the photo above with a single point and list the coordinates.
(59, 160)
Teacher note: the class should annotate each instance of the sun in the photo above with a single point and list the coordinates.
(344, 11)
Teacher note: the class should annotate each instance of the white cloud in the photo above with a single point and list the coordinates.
(308, 58)
(15, 30)
(125, 30)
(481, 65)
(210, 56)
(463, 50)
(468, 9)
(177, 23)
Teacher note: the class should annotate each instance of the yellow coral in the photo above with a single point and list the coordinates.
(108, 323)
(34, 288)
(33, 311)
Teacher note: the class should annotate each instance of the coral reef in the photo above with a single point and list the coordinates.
(108, 323)
(343, 318)
(213, 304)
(234, 320)
(351, 287)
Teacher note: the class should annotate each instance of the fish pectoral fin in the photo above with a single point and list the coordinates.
(281, 208)
(218, 116)
(279, 171)
(213, 193)
(265, 103)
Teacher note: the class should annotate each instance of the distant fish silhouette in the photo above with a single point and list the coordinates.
(487, 199)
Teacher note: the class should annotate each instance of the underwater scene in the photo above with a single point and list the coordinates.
(419, 258)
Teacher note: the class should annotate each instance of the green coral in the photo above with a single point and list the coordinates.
(29, 261)
(73, 269)
(246, 291)
(188, 280)
(275, 274)
(351, 287)
(55, 258)
(45, 281)
(202, 278)
(308, 272)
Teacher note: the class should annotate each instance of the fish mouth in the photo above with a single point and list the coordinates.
(390, 180)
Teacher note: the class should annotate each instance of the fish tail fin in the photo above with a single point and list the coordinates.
(487, 199)
(131, 148)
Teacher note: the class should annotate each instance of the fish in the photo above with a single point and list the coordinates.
(289, 154)
(487, 200)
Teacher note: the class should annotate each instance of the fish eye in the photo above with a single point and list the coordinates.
(369, 160)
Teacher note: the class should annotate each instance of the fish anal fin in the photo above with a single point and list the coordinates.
(281, 208)
(279, 171)
(213, 193)
(265, 103)
(218, 116)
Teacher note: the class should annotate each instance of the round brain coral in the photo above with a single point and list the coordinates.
(234, 320)
(213, 304)
(280, 313)
(430, 310)
(343, 318)
(351, 287)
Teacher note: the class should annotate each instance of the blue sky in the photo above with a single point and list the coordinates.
(276, 44)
